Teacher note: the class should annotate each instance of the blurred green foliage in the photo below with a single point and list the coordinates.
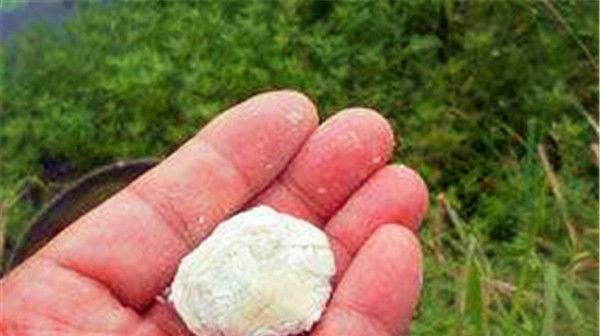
(8, 5)
(473, 89)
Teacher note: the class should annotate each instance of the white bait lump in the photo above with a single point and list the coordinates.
(259, 273)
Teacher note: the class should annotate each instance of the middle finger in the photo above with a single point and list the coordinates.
(331, 165)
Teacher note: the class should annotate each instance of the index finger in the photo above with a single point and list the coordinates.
(133, 242)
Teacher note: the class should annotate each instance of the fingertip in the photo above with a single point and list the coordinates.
(284, 113)
(396, 235)
(394, 194)
(412, 183)
(364, 129)
(299, 108)
(400, 246)
(383, 281)
(398, 241)
(395, 240)
(373, 119)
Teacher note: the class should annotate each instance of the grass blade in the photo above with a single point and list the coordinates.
(550, 299)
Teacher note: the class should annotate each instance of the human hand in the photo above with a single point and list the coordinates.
(105, 273)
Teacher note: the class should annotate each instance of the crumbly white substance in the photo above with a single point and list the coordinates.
(259, 273)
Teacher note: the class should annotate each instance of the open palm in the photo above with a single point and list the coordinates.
(104, 275)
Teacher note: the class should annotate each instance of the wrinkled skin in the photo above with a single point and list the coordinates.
(106, 273)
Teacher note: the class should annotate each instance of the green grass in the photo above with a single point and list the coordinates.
(491, 101)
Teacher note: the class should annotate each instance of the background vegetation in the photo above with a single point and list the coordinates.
(494, 102)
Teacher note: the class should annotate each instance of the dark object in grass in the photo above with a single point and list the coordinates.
(55, 168)
(74, 201)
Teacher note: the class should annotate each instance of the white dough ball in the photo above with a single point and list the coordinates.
(259, 273)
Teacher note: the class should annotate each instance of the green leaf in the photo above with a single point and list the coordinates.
(550, 299)
(474, 302)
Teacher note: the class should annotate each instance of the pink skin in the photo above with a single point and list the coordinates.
(104, 274)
